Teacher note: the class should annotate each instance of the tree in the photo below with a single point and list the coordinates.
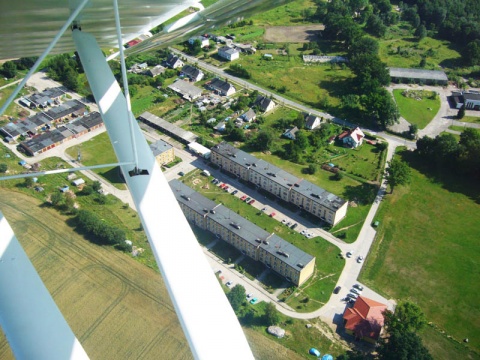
(471, 54)
(262, 141)
(28, 182)
(402, 346)
(237, 134)
(196, 47)
(408, 317)
(3, 168)
(311, 169)
(272, 316)
(375, 26)
(421, 32)
(461, 112)
(9, 69)
(370, 71)
(364, 45)
(236, 296)
(56, 198)
(301, 140)
(96, 185)
(300, 121)
(413, 130)
(397, 173)
(381, 107)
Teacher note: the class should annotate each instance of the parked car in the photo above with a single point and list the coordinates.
(353, 296)
(294, 226)
(273, 214)
(251, 202)
(284, 221)
(213, 180)
(264, 208)
(355, 291)
(337, 289)
(359, 259)
(226, 187)
(234, 192)
(229, 284)
(254, 301)
(248, 199)
(181, 173)
(243, 197)
(359, 287)
(249, 295)
(349, 254)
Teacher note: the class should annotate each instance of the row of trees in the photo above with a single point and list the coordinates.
(9, 68)
(449, 155)
(66, 69)
(102, 233)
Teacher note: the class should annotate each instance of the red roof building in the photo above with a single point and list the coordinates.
(365, 319)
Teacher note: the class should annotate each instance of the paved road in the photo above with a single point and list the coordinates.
(333, 309)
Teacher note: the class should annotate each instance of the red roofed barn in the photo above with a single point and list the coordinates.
(365, 319)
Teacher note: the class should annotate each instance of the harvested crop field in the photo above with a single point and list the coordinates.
(117, 307)
(293, 34)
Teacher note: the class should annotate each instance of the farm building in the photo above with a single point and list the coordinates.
(170, 129)
(228, 53)
(186, 90)
(78, 182)
(199, 149)
(433, 77)
(470, 99)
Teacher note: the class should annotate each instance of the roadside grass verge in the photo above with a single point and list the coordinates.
(417, 111)
(96, 151)
(425, 251)
(457, 128)
(470, 119)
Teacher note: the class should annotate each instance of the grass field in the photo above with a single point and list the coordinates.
(471, 119)
(416, 111)
(96, 151)
(456, 128)
(116, 306)
(427, 250)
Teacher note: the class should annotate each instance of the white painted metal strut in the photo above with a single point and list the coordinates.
(208, 321)
(32, 323)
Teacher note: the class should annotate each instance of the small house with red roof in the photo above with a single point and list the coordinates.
(352, 138)
(365, 319)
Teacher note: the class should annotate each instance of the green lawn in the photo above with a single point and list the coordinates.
(470, 119)
(456, 128)
(427, 250)
(96, 151)
(419, 112)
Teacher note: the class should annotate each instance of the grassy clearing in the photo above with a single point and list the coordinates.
(402, 50)
(419, 112)
(471, 119)
(13, 109)
(292, 13)
(99, 150)
(441, 221)
(457, 128)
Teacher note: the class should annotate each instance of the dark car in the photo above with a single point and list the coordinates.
(181, 173)
(294, 226)
(337, 290)
(359, 287)
(234, 192)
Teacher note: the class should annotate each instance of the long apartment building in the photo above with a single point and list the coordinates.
(270, 249)
(307, 196)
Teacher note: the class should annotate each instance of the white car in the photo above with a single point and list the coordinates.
(309, 235)
(249, 295)
(229, 284)
(359, 259)
(284, 221)
(303, 232)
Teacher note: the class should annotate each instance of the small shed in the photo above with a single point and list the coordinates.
(78, 182)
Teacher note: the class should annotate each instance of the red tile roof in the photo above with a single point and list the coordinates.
(365, 319)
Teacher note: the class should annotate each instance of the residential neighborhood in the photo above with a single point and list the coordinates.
(311, 165)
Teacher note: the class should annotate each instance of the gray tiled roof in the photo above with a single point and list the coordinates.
(159, 147)
(317, 194)
(245, 229)
(418, 74)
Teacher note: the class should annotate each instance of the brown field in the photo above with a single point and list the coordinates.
(117, 307)
(292, 34)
